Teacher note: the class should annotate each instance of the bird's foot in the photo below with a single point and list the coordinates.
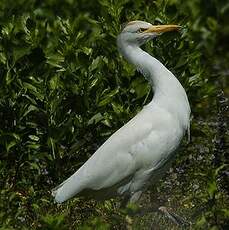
(133, 210)
(173, 216)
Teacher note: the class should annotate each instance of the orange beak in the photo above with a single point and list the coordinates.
(162, 28)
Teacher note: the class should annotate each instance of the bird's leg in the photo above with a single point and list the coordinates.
(176, 219)
(173, 216)
(124, 202)
(130, 199)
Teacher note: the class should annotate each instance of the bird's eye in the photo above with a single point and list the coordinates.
(141, 30)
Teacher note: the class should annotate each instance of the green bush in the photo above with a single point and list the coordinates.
(64, 89)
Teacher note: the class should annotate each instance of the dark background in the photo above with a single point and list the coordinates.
(64, 89)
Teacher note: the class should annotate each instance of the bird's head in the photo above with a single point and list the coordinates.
(139, 32)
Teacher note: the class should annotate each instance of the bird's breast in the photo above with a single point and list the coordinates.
(159, 144)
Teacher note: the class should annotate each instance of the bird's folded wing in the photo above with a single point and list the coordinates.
(112, 162)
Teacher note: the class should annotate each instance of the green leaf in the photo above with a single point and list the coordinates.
(140, 87)
(87, 50)
(34, 90)
(95, 63)
(108, 97)
(21, 51)
(95, 119)
(3, 58)
(117, 108)
(10, 145)
(31, 108)
(34, 137)
(54, 82)
(212, 188)
(55, 60)
(212, 23)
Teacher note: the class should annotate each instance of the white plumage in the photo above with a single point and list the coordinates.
(139, 152)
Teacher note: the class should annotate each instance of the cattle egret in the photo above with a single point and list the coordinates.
(139, 153)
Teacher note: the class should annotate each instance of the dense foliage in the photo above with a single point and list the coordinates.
(64, 89)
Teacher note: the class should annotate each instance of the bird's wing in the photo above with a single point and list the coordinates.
(112, 162)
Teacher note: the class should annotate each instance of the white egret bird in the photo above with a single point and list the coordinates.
(139, 152)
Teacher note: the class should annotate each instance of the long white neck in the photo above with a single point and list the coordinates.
(168, 92)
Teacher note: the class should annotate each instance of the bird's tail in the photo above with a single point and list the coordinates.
(66, 189)
(55, 190)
